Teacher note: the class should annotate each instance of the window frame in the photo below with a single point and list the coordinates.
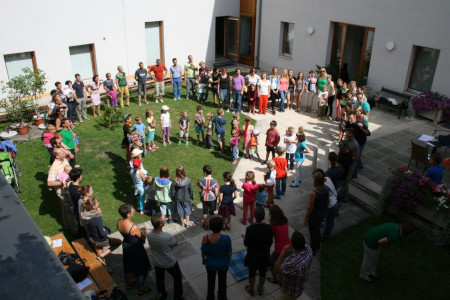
(93, 60)
(416, 50)
(284, 33)
(33, 61)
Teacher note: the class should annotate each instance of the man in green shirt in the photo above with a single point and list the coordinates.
(189, 76)
(382, 235)
(67, 139)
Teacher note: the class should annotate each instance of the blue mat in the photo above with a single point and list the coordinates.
(237, 268)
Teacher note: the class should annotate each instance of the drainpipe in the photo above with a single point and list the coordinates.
(259, 32)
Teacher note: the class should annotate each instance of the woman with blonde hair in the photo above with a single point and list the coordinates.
(284, 84)
(274, 79)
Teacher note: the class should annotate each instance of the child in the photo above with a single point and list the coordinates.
(209, 131)
(302, 148)
(126, 134)
(435, 171)
(219, 123)
(181, 192)
(228, 192)
(184, 123)
(323, 103)
(270, 179)
(261, 197)
(250, 187)
(135, 142)
(235, 123)
(166, 123)
(272, 140)
(281, 168)
(254, 144)
(112, 94)
(64, 176)
(208, 188)
(290, 139)
(199, 124)
(248, 129)
(151, 205)
(151, 130)
(137, 153)
(252, 93)
(234, 143)
(201, 88)
(162, 193)
(140, 128)
(48, 135)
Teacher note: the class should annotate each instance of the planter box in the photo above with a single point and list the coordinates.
(431, 214)
(436, 116)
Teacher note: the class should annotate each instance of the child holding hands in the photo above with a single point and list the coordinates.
(228, 192)
(250, 188)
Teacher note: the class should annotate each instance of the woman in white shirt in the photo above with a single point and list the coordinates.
(331, 96)
(263, 92)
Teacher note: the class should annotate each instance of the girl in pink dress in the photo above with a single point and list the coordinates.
(94, 89)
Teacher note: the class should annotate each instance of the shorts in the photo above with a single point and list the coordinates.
(199, 129)
(269, 189)
(142, 88)
(159, 88)
(270, 149)
(209, 207)
(298, 91)
(253, 151)
(290, 91)
(184, 209)
(150, 136)
(220, 137)
(184, 133)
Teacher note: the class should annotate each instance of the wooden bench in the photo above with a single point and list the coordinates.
(381, 98)
(96, 269)
(68, 249)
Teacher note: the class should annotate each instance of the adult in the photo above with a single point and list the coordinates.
(299, 91)
(291, 89)
(138, 177)
(162, 257)
(121, 82)
(215, 85)
(189, 76)
(224, 86)
(284, 84)
(331, 96)
(360, 116)
(252, 78)
(175, 79)
(311, 83)
(58, 146)
(317, 210)
(160, 71)
(59, 116)
(363, 103)
(383, 235)
(97, 233)
(56, 168)
(216, 256)
(333, 205)
(75, 175)
(67, 139)
(322, 80)
(361, 133)
(353, 151)
(72, 101)
(203, 78)
(54, 106)
(108, 84)
(293, 266)
(258, 239)
(80, 93)
(335, 170)
(60, 91)
(86, 191)
(238, 90)
(263, 92)
(136, 264)
(94, 89)
(274, 79)
(338, 97)
(126, 133)
(280, 228)
(141, 77)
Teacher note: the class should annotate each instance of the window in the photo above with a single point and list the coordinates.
(153, 40)
(423, 68)
(287, 38)
(83, 60)
(15, 63)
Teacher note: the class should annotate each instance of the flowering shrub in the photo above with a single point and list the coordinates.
(431, 101)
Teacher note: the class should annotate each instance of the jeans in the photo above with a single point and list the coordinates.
(314, 232)
(224, 96)
(282, 190)
(82, 109)
(209, 142)
(140, 192)
(369, 264)
(190, 86)
(283, 97)
(177, 87)
(235, 152)
(166, 207)
(175, 272)
(72, 111)
(222, 294)
(359, 163)
(298, 172)
(332, 213)
(237, 100)
(290, 159)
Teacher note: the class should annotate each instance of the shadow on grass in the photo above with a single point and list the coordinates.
(122, 179)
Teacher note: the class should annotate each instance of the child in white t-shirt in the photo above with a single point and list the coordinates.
(166, 123)
(270, 179)
(290, 139)
(323, 103)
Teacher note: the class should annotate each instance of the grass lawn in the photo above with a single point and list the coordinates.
(416, 270)
(102, 159)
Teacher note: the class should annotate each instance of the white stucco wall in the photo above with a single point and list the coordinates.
(115, 27)
(406, 22)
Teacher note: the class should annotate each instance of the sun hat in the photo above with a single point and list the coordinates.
(256, 132)
(165, 107)
(125, 116)
(136, 152)
(136, 162)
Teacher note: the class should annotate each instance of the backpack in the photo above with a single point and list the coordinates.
(76, 267)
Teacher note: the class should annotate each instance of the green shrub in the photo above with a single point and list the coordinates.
(111, 118)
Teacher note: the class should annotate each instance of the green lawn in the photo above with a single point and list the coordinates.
(416, 270)
(102, 159)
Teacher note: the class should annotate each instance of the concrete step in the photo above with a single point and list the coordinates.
(363, 198)
(367, 185)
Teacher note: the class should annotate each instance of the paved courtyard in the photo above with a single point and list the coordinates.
(389, 146)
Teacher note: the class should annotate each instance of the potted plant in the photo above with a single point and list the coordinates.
(432, 105)
(20, 97)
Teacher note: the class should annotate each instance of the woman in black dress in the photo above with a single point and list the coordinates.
(136, 264)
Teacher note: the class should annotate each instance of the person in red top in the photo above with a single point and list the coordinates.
(280, 229)
(281, 168)
(272, 140)
(159, 70)
(250, 188)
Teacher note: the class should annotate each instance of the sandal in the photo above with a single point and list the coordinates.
(144, 291)
(260, 291)
(271, 280)
(251, 293)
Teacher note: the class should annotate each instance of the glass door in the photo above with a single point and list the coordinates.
(366, 53)
(232, 38)
(337, 52)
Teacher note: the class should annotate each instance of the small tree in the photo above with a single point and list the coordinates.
(20, 95)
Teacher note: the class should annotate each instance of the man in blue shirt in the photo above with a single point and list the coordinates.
(435, 172)
(141, 77)
(219, 125)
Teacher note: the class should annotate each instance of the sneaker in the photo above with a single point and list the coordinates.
(179, 98)
(211, 149)
(170, 221)
(294, 185)
(156, 101)
(276, 197)
(228, 110)
(155, 147)
(146, 102)
(169, 142)
(145, 152)
(243, 222)
(151, 150)
(161, 100)
(187, 144)
(179, 143)
(164, 144)
(81, 121)
(187, 98)
(264, 162)
(140, 104)
(175, 99)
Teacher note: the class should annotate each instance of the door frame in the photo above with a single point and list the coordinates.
(227, 54)
(249, 60)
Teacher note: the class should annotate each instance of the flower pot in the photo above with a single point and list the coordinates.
(433, 215)
(39, 121)
(23, 130)
(436, 115)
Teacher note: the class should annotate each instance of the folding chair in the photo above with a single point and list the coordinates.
(419, 153)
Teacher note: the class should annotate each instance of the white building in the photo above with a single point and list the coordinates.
(401, 45)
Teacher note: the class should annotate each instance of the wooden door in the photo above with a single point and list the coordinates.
(232, 38)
